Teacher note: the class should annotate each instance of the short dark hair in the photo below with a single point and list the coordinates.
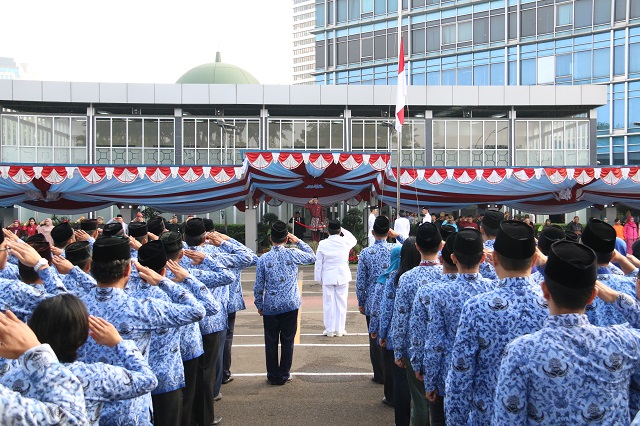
(278, 240)
(61, 321)
(174, 256)
(334, 231)
(469, 260)
(27, 274)
(409, 257)
(192, 240)
(511, 265)
(603, 258)
(143, 239)
(81, 263)
(108, 272)
(568, 298)
(490, 232)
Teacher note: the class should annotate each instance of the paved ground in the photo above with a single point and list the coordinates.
(331, 376)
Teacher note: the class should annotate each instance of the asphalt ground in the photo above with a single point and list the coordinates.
(331, 382)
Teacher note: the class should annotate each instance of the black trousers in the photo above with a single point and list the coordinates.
(189, 391)
(436, 411)
(279, 328)
(203, 405)
(167, 408)
(401, 395)
(387, 359)
(226, 361)
(374, 355)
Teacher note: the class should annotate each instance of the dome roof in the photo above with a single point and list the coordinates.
(217, 73)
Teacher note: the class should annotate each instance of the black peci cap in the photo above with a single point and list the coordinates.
(172, 242)
(515, 240)
(599, 236)
(381, 225)
(89, 225)
(156, 225)
(61, 233)
(194, 227)
(138, 229)
(548, 236)
(279, 230)
(334, 225)
(468, 241)
(108, 249)
(492, 219)
(152, 255)
(77, 252)
(113, 229)
(208, 225)
(571, 264)
(428, 237)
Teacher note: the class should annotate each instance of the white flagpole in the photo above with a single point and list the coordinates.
(399, 132)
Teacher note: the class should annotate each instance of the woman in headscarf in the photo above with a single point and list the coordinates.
(630, 233)
(45, 228)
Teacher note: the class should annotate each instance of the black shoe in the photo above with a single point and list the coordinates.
(216, 420)
(385, 402)
(378, 381)
(272, 382)
(227, 380)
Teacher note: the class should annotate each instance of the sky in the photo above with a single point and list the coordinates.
(143, 41)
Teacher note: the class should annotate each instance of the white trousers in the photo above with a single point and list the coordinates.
(371, 239)
(334, 301)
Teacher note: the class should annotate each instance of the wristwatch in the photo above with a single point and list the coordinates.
(42, 262)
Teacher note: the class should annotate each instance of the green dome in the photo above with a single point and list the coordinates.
(217, 73)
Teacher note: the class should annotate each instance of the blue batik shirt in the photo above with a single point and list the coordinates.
(135, 320)
(276, 287)
(570, 372)
(55, 393)
(235, 256)
(605, 314)
(386, 308)
(10, 272)
(488, 322)
(130, 377)
(408, 284)
(373, 261)
(444, 314)
(78, 282)
(420, 318)
(486, 269)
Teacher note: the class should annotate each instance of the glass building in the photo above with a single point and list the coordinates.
(500, 42)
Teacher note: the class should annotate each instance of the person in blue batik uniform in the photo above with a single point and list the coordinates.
(489, 228)
(373, 261)
(63, 322)
(546, 238)
(429, 242)
(62, 235)
(488, 322)
(138, 231)
(444, 314)
(75, 267)
(134, 319)
(57, 397)
(571, 372)
(277, 298)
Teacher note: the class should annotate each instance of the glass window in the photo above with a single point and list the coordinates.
(618, 114)
(564, 14)
(464, 77)
(319, 14)
(527, 23)
(634, 57)
(545, 20)
(497, 28)
(634, 9)
(582, 65)
(448, 77)
(528, 72)
(601, 63)
(342, 10)
(354, 9)
(380, 47)
(563, 65)
(367, 6)
(481, 31)
(513, 25)
(497, 74)
(433, 39)
(602, 12)
(342, 51)
(618, 60)
(392, 45)
(634, 112)
(464, 31)
(620, 12)
(481, 75)
(392, 6)
(603, 119)
(380, 7)
(418, 41)
(449, 34)
(583, 13)
(354, 51)
(367, 48)
(546, 68)
(330, 12)
(513, 76)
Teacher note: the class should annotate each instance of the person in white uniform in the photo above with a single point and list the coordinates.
(402, 225)
(426, 217)
(332, 271)
(372, 219)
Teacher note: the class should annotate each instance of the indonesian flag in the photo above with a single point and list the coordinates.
(401, 91)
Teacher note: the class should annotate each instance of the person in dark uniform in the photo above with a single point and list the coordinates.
(297, 222)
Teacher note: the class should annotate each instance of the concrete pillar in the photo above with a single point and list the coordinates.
(428, 139)
(251, 225)
(593, 137)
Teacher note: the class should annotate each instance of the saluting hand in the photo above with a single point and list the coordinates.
(197, 257)
(81, 235)
(26, 254)
(148, 275)
(179, 272)
(15, 336)
(134, 244)
(151, 236)
(10, 235)
(62, 265)
(103, 332)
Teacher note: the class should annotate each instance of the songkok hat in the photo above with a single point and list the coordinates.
(425, 208)
(36, 238)
(571, 236)
(381, 225)
(492, 219)
(447, 250)
(77, 252)
(138, 229)
(428, 236)
(108, 249)
(152, 255)
(599, 236)
(635, 248)
(468, 241)
(156, 225)
(194, 227)
(208, 225)
(112, 229)
(515, 240)
(89, 225)
(61, 233)
(172, 242)
(571, 264)
(334, 225)
(372, 208)
(548, 236)
(446, 230)
(279, 230)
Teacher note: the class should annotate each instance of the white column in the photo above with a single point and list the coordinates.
(251, 226)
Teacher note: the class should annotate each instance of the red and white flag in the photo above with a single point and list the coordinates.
(401, 90)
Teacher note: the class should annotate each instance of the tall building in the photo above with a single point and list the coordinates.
(303, 41)
(11, 70)
(515, 42)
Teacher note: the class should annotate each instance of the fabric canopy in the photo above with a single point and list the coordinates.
(295, 177)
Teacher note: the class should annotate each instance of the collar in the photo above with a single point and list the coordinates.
(470, 277)
(380, 241)
(603, 270)
(515, 282)
(567, 320)
(429, 262)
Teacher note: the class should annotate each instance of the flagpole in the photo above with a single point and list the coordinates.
(399, 132)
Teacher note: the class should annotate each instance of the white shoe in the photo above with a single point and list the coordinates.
(334, 333)
(341, 333)
(326, 333)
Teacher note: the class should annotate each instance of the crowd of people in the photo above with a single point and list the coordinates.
(470, 322)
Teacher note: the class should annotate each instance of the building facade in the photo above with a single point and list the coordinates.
(11, 70)
(497, 43)
(304, 21)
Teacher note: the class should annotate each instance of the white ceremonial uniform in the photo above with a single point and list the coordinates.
(371, 238)
(402, 226)
(332, 270)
